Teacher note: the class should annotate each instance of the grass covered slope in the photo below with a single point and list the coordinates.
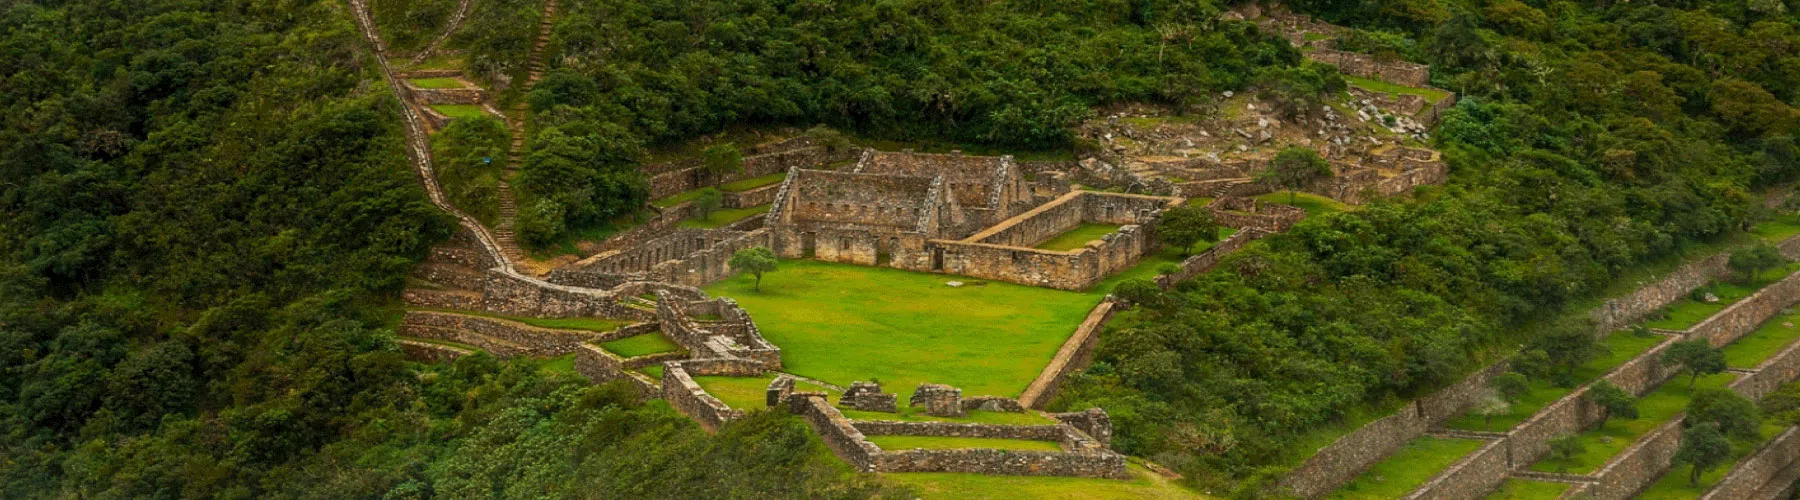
(1142, 485)
(842, 323)
(1412, 466)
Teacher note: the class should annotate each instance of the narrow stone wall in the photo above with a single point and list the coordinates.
(536, 340)
(1470, 478)
(1759, 471)
(1641, 464)
(754, 197)
(1624, 311)
(692, 176)
(441, 299)
(465, 95)
(1743, 317)
(601, 367)
(1204, 261)
(1073, 355)
(1771, 374)
(1047, 432)
(1341, 461)
(690, 399)
(1249, 213)
(1005, 462)
(1367, 66)
(427, 352)
(836, 430)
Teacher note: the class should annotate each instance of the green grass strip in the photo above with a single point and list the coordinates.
(909, 414)
(639, 345)
(1621, 347)
(459, 110)
(1675, 483)
(560, 364)
(1412, 466)
(752, 183)
(590, 324)
(956, 443)
(1763, 343)
(1078, 238)
(1654, 409)
(1142, 485)
(1431, 95)
(436, 83)
(1520, 489)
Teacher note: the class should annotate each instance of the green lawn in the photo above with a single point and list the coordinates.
(1760, 345)
(560, 364)
(1519, 489)
(1313, 204)
(908, 414)
(1431, 95)
(654, 371)
(745, 393)
(639, 345)
(1675, 483)
(841, 323)
(1077, 238)
(1654, 409)
(1408, 468)
(956, 443)
(1780, 228)
(721, 217)
(753, 182)
(440, 61)
(590, 324)
(1689, 312)
(436, 83)
(459, 110)
(1621, 347)
(1142, 485)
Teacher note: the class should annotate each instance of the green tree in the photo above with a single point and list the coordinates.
(1612, 401)
(1184, 226)
(1704, 448)
(707, 202)
(1294, 167)
(828, 138)
(1489, 405)
(1735, 415)
(1564, 449)
(720, 160)
(1756, 259)
(756, 261)
(1567, 346)
(1696, 357)
(1510, 385)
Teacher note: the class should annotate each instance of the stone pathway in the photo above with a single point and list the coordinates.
(506, 229)
(456, 19)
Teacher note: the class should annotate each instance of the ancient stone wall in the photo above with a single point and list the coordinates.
(1037, 225)
(836, 430)
(601, 367)
(1771, 374)
(1756, 472)
(1640, 465)
(1470, 478)
(691, 257)
(441, 299)
(990, 182)
(1204, 261)
(507, 294)
(1053, 433)
(465, 95)
(1744, 316)
(427, 352)
(1005, 462)
(1368, 66)
(688, 175)
(1073, 355)
(862, 199)
(1341, 461)
(452, 276)
(1619, 313)
(753, 197)
(1094, 422)
(1063, 270)
(535, 341)
(690, 399)
(1457, 399)
(1249, 213)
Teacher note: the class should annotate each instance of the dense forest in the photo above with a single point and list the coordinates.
(1590, 139)
(204, 207)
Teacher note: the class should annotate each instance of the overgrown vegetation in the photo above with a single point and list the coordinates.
(203, 206)
(1612, 136)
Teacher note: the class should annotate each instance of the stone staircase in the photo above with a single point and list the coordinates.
(505, 230)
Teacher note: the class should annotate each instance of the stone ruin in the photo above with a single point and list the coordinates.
(939, 400)
(867, 396)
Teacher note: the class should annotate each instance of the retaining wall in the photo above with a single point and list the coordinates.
(1621, 312)
(1470, 478)
(538, 341)
(690, 399)
(1758, 471)
(427, 352)
(1743, 317)
(1074, 354)
(1640, 465)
